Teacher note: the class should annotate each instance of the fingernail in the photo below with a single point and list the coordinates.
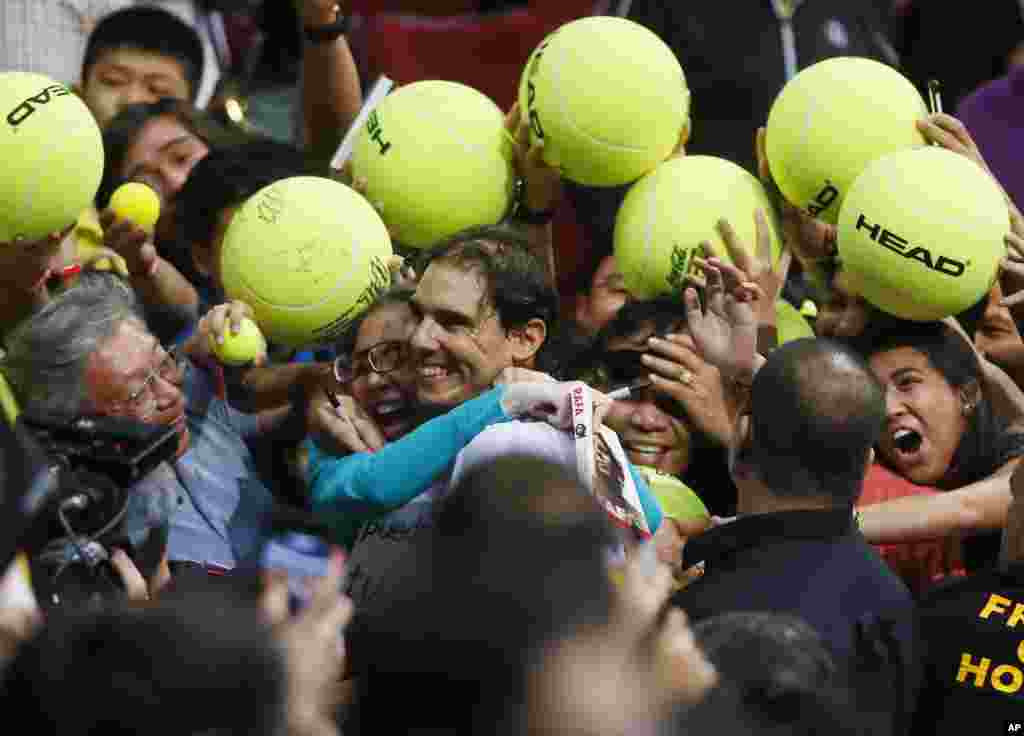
(653, 341)
(646, 358)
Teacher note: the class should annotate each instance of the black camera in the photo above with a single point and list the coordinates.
(76, 499)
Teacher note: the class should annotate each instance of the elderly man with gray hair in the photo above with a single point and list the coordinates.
(89, 352)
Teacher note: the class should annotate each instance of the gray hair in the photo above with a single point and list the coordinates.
(47, 353)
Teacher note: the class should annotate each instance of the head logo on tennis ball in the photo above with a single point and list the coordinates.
(888, 239)
(380, 281)
(376, 130)
(823, 199)
(24, 111)
(531, 92)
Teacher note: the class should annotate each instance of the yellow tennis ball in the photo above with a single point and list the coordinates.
(308, 254)
(833, 119)
(677, 500)
(437, 159)
(790, 322)
(667, 215)
(241, 348)
(921, 233)
(607, 97)
(136, 202)
(52, 153)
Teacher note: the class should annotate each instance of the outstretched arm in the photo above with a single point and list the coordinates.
(980, 505)
(331, 93)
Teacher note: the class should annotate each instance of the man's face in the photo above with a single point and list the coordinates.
(123, 77)
(131, 376)
(163, 155)
(459, 345)
(607, 296)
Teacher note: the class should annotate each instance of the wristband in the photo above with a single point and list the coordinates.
(329, 32)
(531, 217)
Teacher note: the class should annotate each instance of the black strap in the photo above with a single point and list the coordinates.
(327, 33)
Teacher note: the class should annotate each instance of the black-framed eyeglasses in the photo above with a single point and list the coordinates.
(169, 369)
(384, 357)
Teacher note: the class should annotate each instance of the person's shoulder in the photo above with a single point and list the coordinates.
(982, 582)
(516, 437)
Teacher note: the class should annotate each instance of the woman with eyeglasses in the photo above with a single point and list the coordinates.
(396, 458)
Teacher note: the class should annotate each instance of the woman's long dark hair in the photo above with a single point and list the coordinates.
(986, 445)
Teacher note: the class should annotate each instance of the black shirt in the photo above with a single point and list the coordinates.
(973, 636)
(817, 566)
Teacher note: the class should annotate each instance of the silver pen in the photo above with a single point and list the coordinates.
(625, 392)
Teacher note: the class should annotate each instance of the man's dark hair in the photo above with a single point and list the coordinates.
(776, 677)
(516, 562)
(122, 131)
(227, 177)
(197, 663)
(151, 30)
(517, 284)
(346, 343)
(661, 313)
(816, 411)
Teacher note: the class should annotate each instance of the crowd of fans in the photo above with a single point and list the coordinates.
(861, 569)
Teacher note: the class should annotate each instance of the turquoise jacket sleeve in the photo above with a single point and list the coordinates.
(650, 505)
(353, 489)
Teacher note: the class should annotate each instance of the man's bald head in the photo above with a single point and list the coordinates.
(816, 410)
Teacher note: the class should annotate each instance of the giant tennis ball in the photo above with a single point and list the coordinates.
(308, 255)
(239, 348)
(667, 214)
(607, 97)
(436, 159)
(921, 233)
(677, 500)
(52, 153)
(830, 121)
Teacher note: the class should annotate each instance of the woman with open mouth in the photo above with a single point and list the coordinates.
(944, 429)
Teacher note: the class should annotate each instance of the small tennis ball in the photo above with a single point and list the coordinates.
(308, 254)
(136, 202)
(52, 153)
(241, 348)
(677, 500)
(667, 215)
(833, 119)
(607, 97)
(790, 322)
(437, 159)
(921, 233)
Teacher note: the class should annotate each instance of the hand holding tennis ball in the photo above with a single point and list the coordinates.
(138, 203)
(229, 333)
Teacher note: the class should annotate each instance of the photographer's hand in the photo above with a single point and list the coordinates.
(135, 588)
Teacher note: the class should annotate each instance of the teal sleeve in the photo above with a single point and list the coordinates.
(354, 489)
(650, 505)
